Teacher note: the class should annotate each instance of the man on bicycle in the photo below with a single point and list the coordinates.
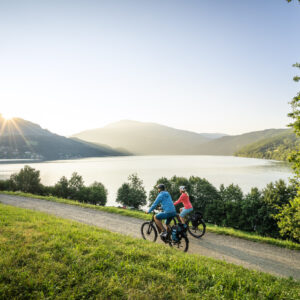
(168, 209)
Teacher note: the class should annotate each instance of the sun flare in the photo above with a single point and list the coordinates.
(7, 116)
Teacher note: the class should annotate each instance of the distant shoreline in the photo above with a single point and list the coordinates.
(24, 160)
(21, 160)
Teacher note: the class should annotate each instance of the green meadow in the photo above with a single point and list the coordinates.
(45, 257)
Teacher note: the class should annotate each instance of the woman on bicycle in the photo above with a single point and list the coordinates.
(185, 200)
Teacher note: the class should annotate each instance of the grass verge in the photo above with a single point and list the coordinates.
(42, 256)
(136, 214)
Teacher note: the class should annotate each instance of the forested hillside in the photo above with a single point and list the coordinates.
(229, 145)
(278, 147)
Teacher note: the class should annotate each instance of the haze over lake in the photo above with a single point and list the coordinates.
(113, 171)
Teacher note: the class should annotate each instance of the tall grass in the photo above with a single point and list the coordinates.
(44, 257)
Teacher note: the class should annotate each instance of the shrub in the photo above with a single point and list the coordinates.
(133, 193)
(95, 194)
(250, 219)
(61, 188)
(75, 184)
(27, 180)
(289, 220)
(232, 198)
(4, 185)
(205, 198)
(275, 195)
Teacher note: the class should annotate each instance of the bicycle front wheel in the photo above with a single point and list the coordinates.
(198, 230)
(182, 245)
(148, 232)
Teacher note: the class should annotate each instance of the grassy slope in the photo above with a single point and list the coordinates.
(140, 215)
(42, 256)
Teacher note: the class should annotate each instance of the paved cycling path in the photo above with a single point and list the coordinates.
(258, 256)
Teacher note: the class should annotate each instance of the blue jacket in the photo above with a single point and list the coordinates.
(164, 198)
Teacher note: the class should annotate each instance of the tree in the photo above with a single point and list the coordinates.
(75, 184)
(275, 196)
(289, 220)
(295, 115)
(123, 194)
(232, 197)
(250, 219)
(97, 194)
(61, 188)
(289, 215)
(5, 185)
(133, 193)
(27, 180)
(206, 199)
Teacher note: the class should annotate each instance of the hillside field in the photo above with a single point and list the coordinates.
(42, 256)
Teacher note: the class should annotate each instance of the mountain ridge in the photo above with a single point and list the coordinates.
(142, 138)
(163, 140)
(22, 139)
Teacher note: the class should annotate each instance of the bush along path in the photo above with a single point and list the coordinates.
(258, 256)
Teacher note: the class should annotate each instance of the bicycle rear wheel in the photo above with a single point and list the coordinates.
(198, 230)
(149, 232)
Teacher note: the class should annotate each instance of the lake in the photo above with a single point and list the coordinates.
(113, 171)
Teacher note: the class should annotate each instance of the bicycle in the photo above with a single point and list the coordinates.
(195, 224)
(176, 236)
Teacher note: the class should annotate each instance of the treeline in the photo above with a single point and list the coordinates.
(28, 180)
(268, 212)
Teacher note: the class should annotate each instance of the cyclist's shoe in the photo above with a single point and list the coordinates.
(163, 235)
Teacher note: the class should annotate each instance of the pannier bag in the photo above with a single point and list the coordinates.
(175, 233)
(195, 219)
(177, 230)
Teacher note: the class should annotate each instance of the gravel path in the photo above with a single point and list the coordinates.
(263, 257)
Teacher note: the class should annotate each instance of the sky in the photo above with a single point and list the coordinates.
(205, 66)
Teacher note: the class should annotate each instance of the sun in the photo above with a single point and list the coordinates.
(7, 116)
